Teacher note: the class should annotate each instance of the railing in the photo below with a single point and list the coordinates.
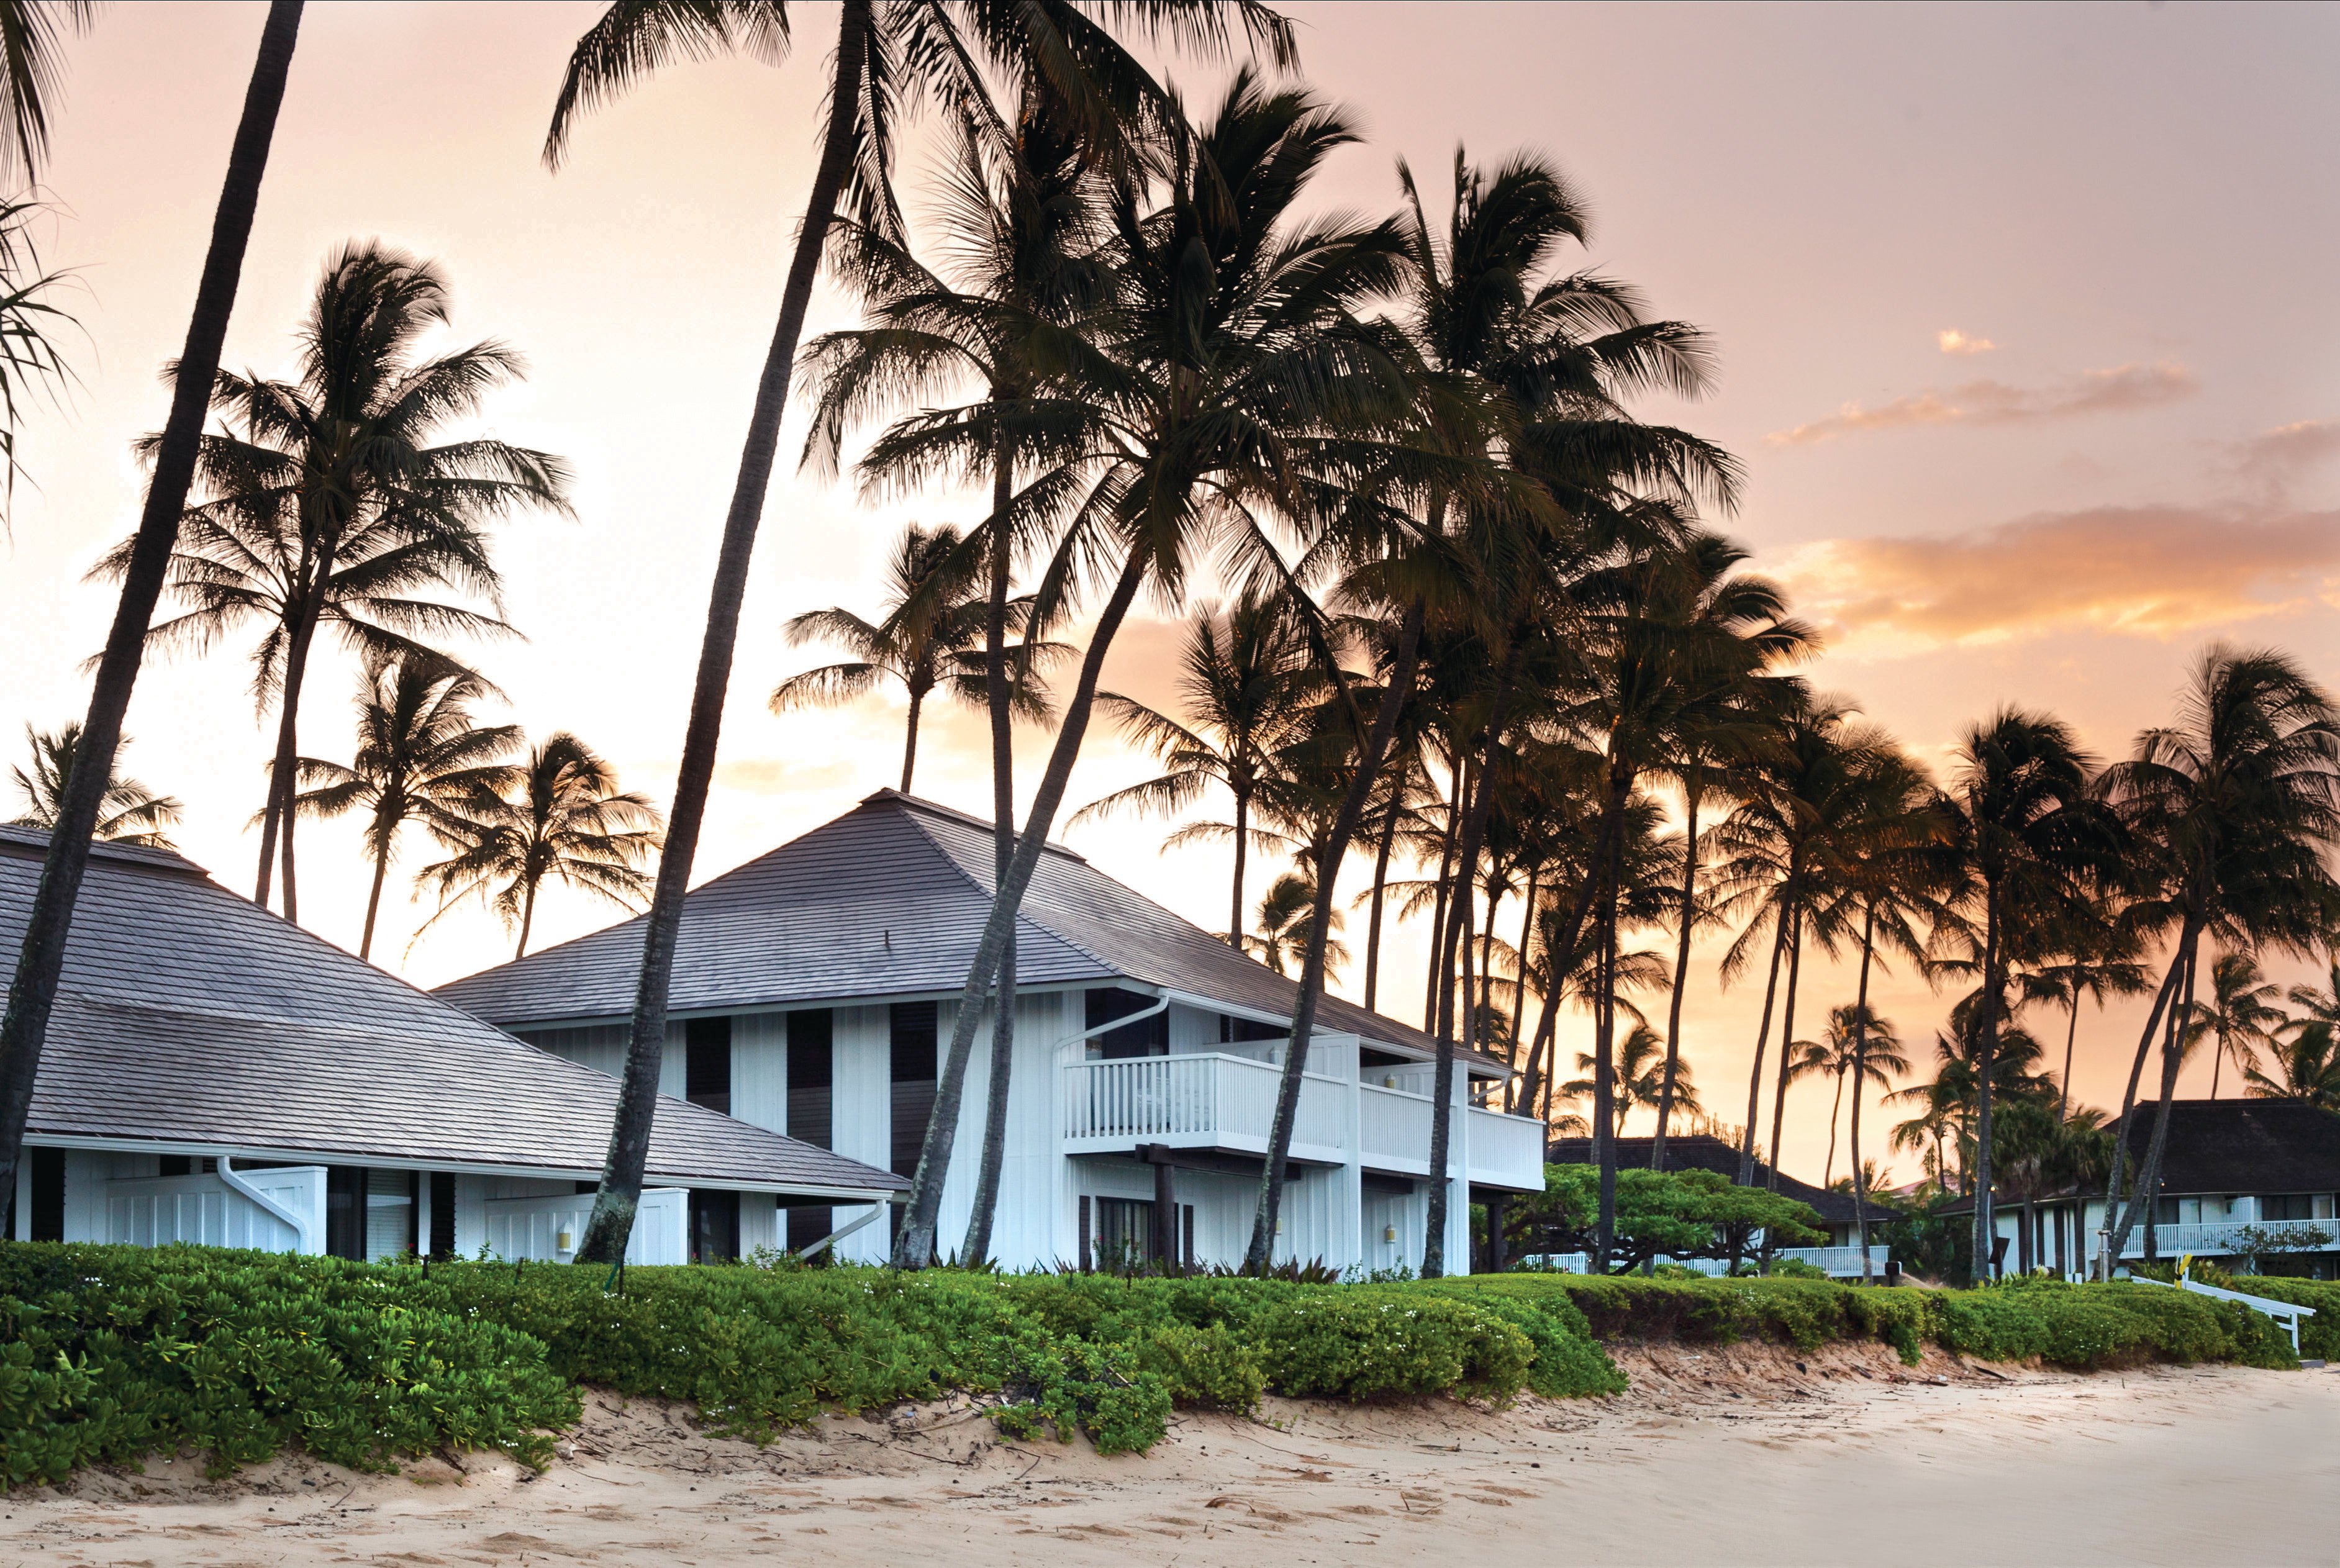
(2226, 1235)
(1213, 1100)
(1839, 1261)
(1506, 1150)
(1393, 1129)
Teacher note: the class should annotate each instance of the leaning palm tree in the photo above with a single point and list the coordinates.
(2236, 806)
(128, 813)
(40, 961)
(930, 639)
(891, 55)
(562, 820)
(1248, 689)
(419, 758)
(336, 501)
(2240, 1017)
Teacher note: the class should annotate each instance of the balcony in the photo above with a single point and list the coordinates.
(1836, 1262)
(2224, 1236)
(1224, 1102)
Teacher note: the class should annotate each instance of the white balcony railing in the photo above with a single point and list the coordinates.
(2225, 1236)
(1839, 1261)
(1218, 1100)
(1200, 1101)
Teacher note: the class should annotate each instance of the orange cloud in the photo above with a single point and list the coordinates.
(1987, 402)
(1954, 341)
(2156, 571)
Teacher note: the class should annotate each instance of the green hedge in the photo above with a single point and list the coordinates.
(2319, 1337)
(108, 1354)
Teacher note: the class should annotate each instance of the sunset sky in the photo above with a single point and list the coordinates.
(2027, 320)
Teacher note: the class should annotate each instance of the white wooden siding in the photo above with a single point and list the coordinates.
(759, 1071)
(534, 1228)
(154, 1211)
(861, 1113)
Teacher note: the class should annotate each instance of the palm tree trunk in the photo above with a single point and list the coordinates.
(1836, 1118)
(910, 738)
(2072, 1038)
(914, 1248)
(2148, 1175)
(527, 920)
(1604, 1073)
(998, 695)
(1986, 1224)
(1258, 1252)
(32, 994)
(1520, 990)
(1561, 947)
(1466, 859)
(1234, 898)
(2113, 1194)
(1762, 1034)
(1474, 1033)
(1374, 925)
(374, 899)
(1787, 1042)
(2217, 1060)
(612, 1222)
(1859, 1085)
(1681, 977)
(284, 770)
(1439, 889)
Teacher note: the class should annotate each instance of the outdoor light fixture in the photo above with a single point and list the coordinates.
(565, 1242)
(1389, 1233)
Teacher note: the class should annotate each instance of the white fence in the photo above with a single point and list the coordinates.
(1839, 1261)
(1393, 1131)
(288, 1214)
(547, 1229)
(2226, 1235)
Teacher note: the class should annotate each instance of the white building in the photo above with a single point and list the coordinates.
(216, 1074)
(814, 987)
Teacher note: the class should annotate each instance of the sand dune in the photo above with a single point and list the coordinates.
(1737, 1454)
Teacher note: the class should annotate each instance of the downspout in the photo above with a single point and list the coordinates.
(261, 1201)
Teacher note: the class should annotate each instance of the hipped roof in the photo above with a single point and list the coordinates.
(189, 1017)
(889, 900)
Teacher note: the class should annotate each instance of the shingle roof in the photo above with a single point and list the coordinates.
(1704, 1152)
(2242, 1146)
(889, 899)
(188, 1014)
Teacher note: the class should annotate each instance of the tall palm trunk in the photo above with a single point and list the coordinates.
(914, 1248)
(527, 920)
(1986, 1224)
(1682, 977)
(32, 994)
(1520, 990)
(1835, 1121)
(373, 898)
(1259, 1251)
(1787, 1043)
(2148, 1175)
(2114, 1171)
(2072, 1038)
(284, 771)
(910, 738)
(1374, 925)
(1562, 944)
(1440, 890)
(1762, 1036)
(612, 1222)
(998, 694)
(1859, 1085)
(1605, 1066)
(1235, 897)
(1466, 859)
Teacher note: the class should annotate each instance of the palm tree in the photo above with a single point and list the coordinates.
(2238, 805)
(1854, 1042)
(931, 637)
(1284, 912)
(419, 758)
(2309, 1062)
(1233, 350)
(31, 76)
(1636, 1077)
(40, 962)
(338, 501)
(2097, 958)
(1246, 688)
(2240, 1016)
(889, 56)
(564, 820)
(2026, 837)
(129, 812)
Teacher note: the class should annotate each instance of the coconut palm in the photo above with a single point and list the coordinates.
(2097, 958)
(31, 77)
(2026, 841)
(40, 961)
(1282, 917)
(1636, 1077)
(1853, 1041)
(1235, 351)
(892, 55)
(333, 500)
(930, 639)
(32, 69)
(2236, 809)
(128, 813)
(562, 819)
(1247, 688)
(2308, 1063)
(420, 758)
(2240, 1017)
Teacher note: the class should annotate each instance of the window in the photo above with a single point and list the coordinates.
(812, 1069)
(914, 1026)
(1146, 1037)
(707, 1064)
(2295, 1206)
(1124, 1232)
(390, 1214)
(714, 1226)
(345, 1212)
(1234, 1031)
(442, 1214)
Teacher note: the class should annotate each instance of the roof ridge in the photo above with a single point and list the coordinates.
(935, 807)
(1023, 914)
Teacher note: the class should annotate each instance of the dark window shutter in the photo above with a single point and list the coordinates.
(707, 1065)
(48, 1214)
(442, 1214)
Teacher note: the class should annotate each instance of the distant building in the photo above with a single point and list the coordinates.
(815, 986)
(2244, 1181)
(216, 1074)
(1700, 1151)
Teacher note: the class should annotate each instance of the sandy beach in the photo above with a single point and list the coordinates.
(1718, 1455)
